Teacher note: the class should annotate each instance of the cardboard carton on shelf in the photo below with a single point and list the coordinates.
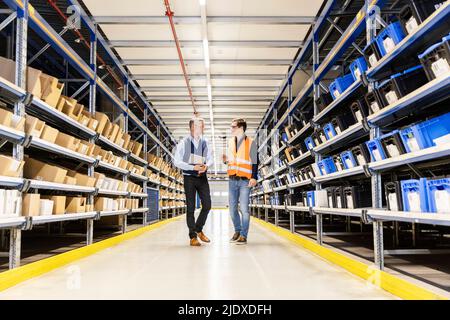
(67, 141)
(102, 204)
(102, 120)
(126, 140)
(107, 129)
(124, 186)
(70, 180)
(66, 105)
(99, 178)
(77, 112)
(119, 138)
(5, 117)
(46, 207)
(49, 134)
(75, 204)
(10, 167)
(59, 204)
(96, 152)
(137, 147)
(89, 207)
(113, 133)
(84, 120)
(51, 89)
(82, 179)
(33, 126)
(92, 124)
(37, 170)
(86, 148)
(31, 204)
(116, 161)
(123, 163)
(8, 71)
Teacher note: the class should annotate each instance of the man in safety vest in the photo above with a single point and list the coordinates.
(193, 155)
(242, 162)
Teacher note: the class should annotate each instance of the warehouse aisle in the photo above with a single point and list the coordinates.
(160, 265)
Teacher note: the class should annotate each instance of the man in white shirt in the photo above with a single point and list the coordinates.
(193, 155)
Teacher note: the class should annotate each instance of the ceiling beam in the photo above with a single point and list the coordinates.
(203, 89)
(213, 76)
(216, 98)
(290, 20)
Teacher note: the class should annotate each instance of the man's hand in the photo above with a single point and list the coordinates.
(199, 167)
(224, 158)
(252, 183)
(205, 167)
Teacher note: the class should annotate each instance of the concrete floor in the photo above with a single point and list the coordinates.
(161, 265)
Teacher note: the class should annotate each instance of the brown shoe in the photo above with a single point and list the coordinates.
(241, 240)
(235, 237)
(195, 242)
(202, 237)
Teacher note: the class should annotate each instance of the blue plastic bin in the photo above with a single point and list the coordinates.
(389, 37)
(327, 166)
(425, 134)
(376, 150)
(329, 131)
(348, 160)
(358, 67)
(439, 195)
(414, 195)
(309, 142)
(310, 198)
(338, 86)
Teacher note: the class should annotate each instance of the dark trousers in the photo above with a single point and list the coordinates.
(192, 186)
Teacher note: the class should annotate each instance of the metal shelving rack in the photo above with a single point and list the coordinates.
(435, 89)
(28, 17)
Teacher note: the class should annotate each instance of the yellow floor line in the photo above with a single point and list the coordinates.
(392, 284)
(13, 277)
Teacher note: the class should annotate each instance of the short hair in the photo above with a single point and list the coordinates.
(194, 120)
(241, 123)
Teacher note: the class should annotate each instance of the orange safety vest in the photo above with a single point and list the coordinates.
(239, 163)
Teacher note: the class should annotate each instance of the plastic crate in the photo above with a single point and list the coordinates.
(439, 195)
(331, 196)
(414, 195)
(389, 37)
(376, 150)
(316, 169)
(372, 53)
(340, 197)
(338, 163)
(310, 144)
(360, 110)
(392, 144)
(321, 136)
(358, 196)
(327, 166)
(436, 59)
(342, 122)
(348, 159)
(414, 13)
(329, 130)
(361, 154)
(324, 100)
(310, 172)
(435, 131)
(393, 196)
(339, 85)
(310, 199)
(401, 84)
(374, 101)
(358, 67)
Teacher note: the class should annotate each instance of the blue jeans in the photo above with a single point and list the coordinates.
(239, 192)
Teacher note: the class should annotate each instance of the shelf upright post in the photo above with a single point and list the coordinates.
(19, 110)
(372, 19)
(275, 142)
(144, 218)
(126, 123)
(290, 170)
(316, 88)
(92, 109)
(158, 154)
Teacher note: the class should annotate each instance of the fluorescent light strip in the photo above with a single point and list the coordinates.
(208, 76)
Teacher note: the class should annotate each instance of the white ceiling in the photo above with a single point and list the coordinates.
(241, 86)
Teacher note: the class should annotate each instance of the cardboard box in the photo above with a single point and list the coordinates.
(18, 122)
(102, 121)
(66, 105)
(107, 129)
(46, 207)
(34, 82)
(89, 207)
(84, 120)
(8, 69)
(99, 178)
(88, 147)
(31, 204)
(70, 180)
(33, 126)
(123, 163)
(51, 89)
(113, 133)
(92, 124)
(119, 138)
(77, 111)
(5, 117)
(75, 204)
(49, 134)
(82, 179)
(10, 167)
(59, 204)
(35, 169)
(66, 141)
(126, 140)
(137, 147)
(102, 204)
